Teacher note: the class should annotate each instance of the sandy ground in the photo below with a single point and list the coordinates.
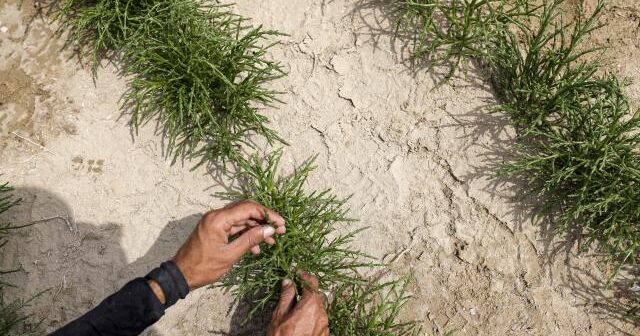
(416, 157)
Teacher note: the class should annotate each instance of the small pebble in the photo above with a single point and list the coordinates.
(4, 29)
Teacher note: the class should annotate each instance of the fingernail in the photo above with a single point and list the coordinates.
(286, 283)
(268, 231)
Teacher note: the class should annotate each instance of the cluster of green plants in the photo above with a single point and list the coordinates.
(203, 73)
(12, 314)
(577, 134)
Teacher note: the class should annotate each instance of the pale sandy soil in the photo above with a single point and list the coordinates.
(416, 157)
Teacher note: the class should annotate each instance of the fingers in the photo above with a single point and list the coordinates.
(239, 229)
(255, 250)
(310, 291)
(310, 282)
(287, 297)
(249, 241)
(238, 214)
(308, 316)
(270, 241)
(322, 325)
(312, 305)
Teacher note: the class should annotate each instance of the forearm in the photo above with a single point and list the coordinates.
(132, 309)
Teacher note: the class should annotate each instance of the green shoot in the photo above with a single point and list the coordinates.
(7, 201)
(541, 74)
(370, 309)
(456, 31)
(101, 28)
(200, 72)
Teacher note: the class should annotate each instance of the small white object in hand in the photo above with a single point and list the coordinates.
(4, 29)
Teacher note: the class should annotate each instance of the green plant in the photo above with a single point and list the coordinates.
(7, 201)
(370, 308)
(580, 132)
(200, 69)
(201, 72)
(542, 74)
(102, 27)
(311, 243)
(456, 31)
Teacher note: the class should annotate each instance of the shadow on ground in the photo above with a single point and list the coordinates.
(240, 326)
(80, 263)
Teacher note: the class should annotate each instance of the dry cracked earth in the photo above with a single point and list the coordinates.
(417, 157)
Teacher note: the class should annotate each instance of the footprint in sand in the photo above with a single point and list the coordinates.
(89, 166)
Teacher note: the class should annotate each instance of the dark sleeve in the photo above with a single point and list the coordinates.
(133, 308)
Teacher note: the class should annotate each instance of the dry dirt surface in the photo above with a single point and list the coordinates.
(416, 156)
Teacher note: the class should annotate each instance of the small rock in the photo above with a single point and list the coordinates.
(4, 29)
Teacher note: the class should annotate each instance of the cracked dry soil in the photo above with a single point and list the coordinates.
(416, 156)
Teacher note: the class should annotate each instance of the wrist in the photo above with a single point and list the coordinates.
(157, 291)
(168, 283)
(185, 271)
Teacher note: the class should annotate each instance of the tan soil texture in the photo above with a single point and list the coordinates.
(416, 156)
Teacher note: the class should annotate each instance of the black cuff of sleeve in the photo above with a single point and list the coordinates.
(172, 282)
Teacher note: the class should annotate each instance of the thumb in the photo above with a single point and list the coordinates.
(250, 239)
(287, 296)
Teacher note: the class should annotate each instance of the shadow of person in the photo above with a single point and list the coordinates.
(79, 263)
(240, 325)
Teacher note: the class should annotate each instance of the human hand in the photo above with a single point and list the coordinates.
(304, 318)
(207, 254)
